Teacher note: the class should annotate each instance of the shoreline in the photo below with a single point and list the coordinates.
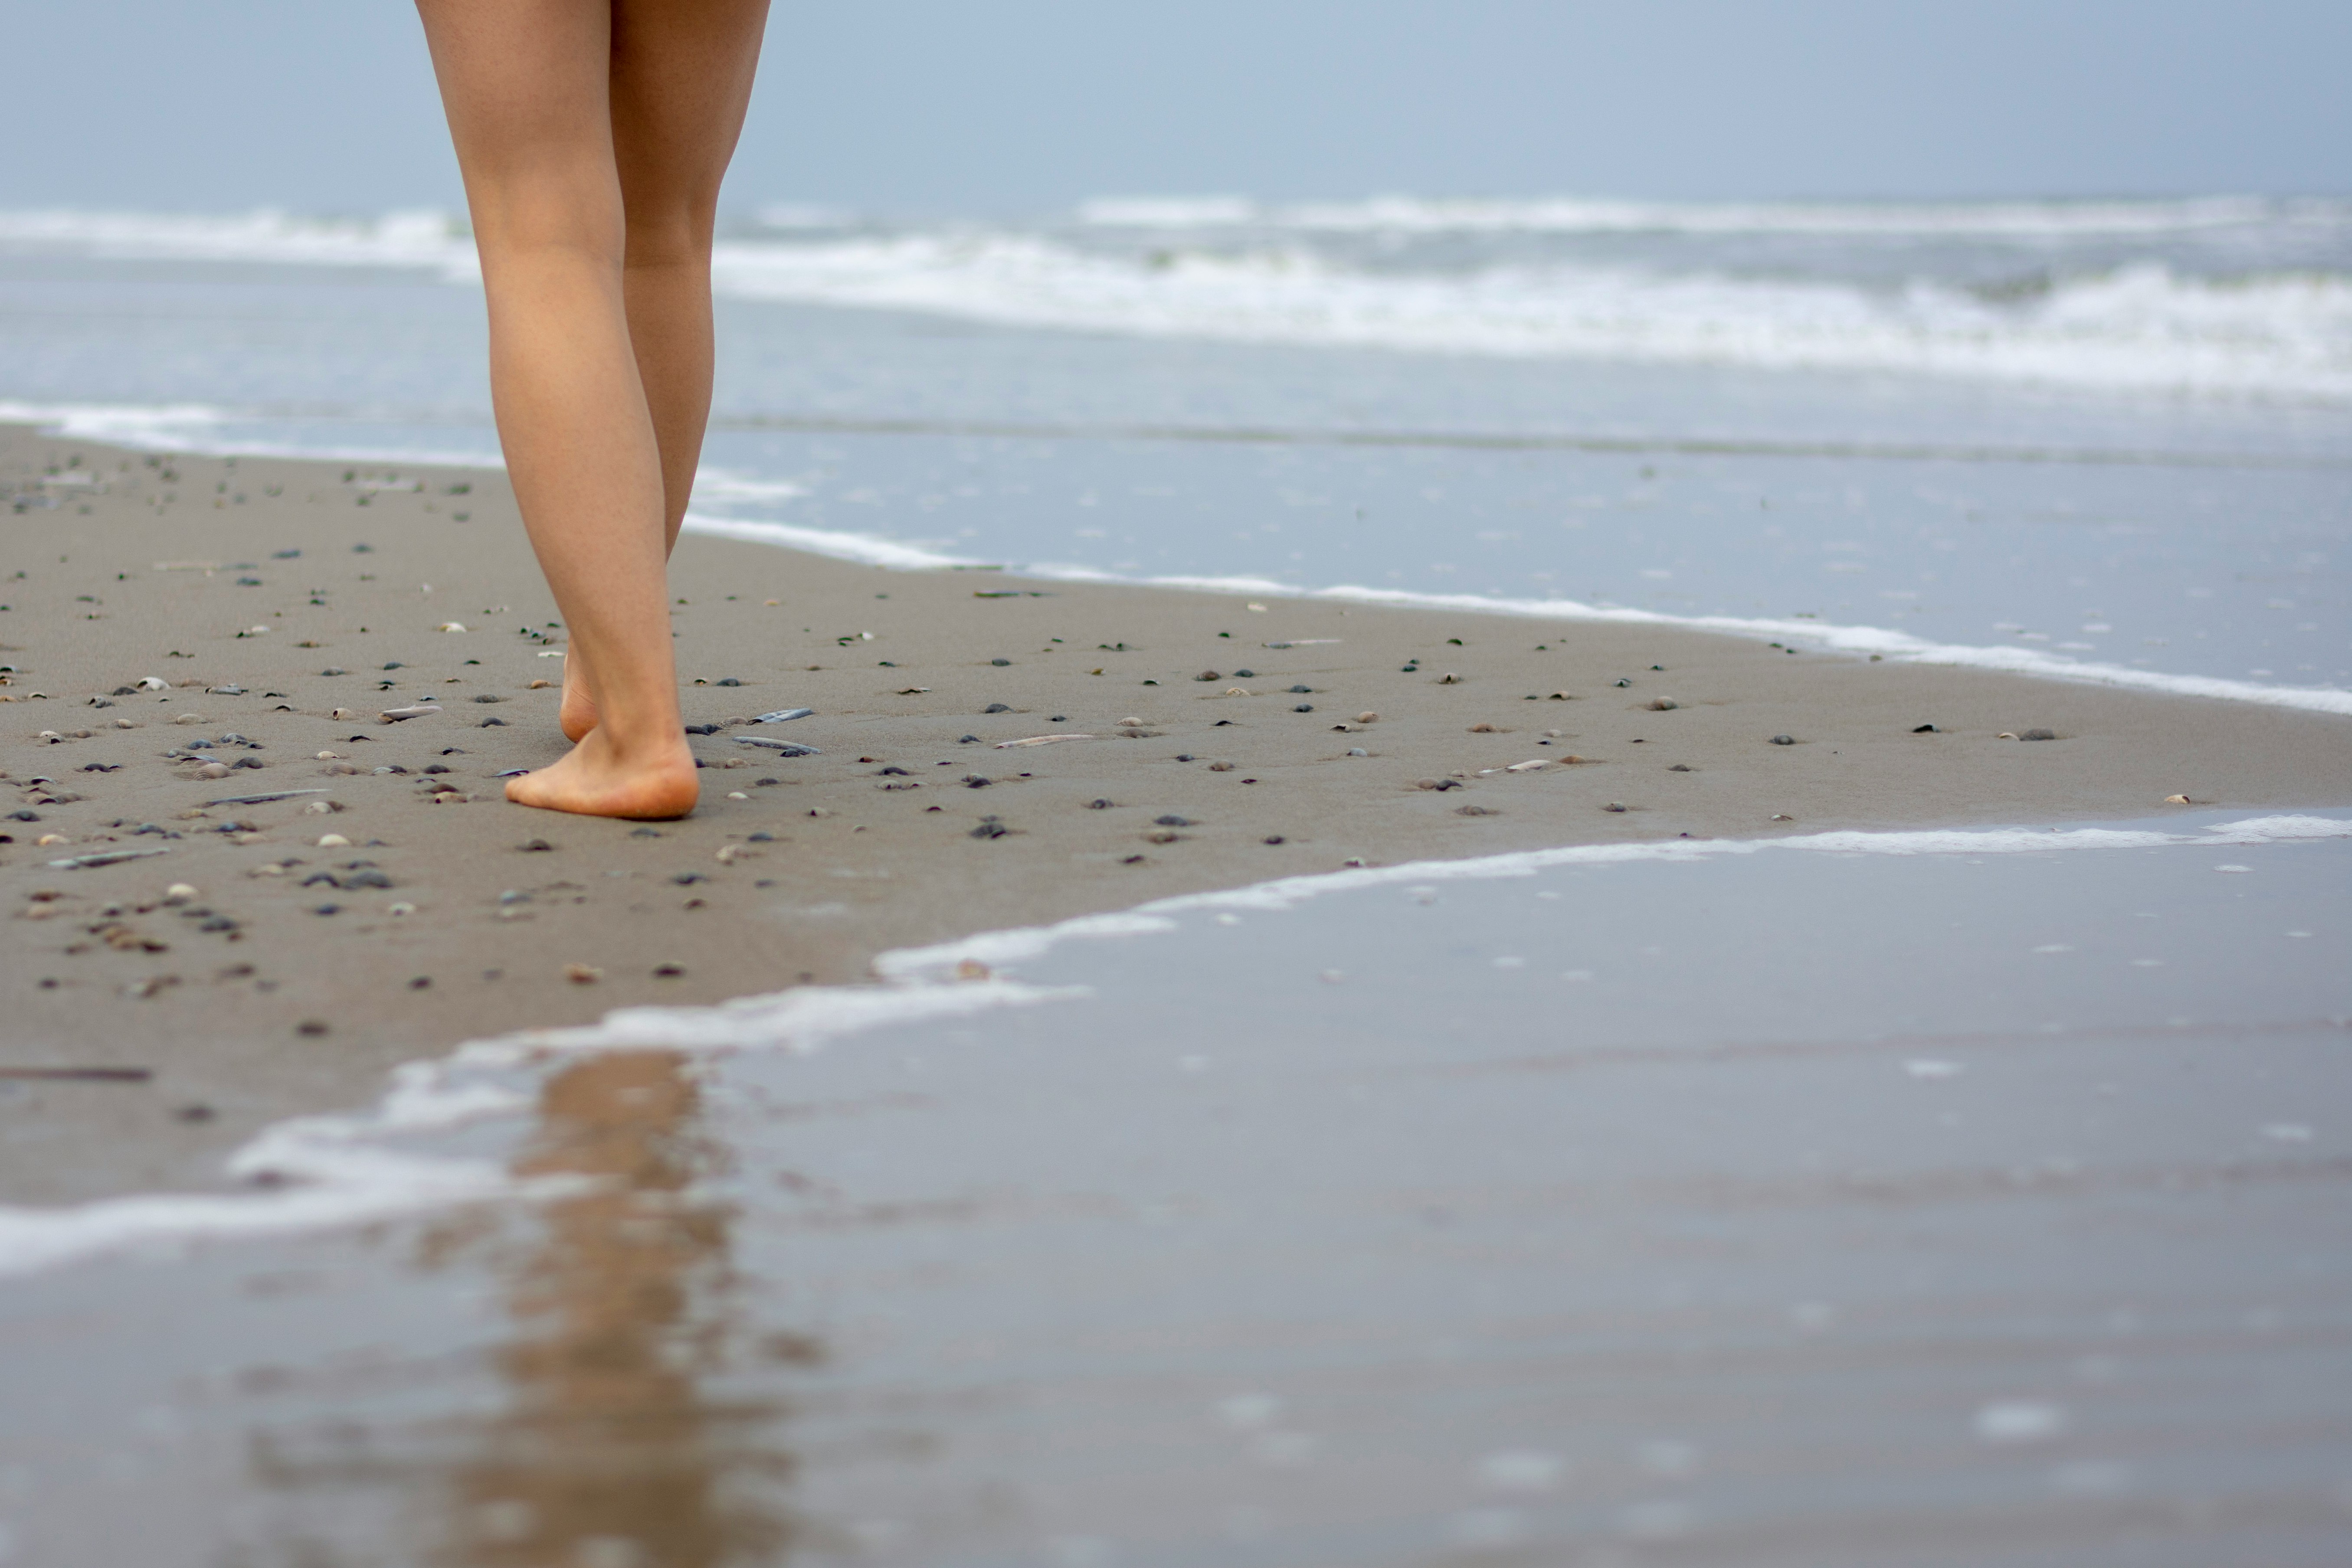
(1852, 637)
(391, 1161)
(851, 864)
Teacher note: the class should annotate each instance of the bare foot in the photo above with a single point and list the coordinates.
(593, 781)
(578, 714)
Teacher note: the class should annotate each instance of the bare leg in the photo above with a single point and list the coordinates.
(680, 80)
(529, 86)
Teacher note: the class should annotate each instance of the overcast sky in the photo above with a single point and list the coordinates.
(1025, 106)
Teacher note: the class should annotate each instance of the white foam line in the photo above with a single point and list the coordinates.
(333, 1171)
(179, 428)
(1002, 949)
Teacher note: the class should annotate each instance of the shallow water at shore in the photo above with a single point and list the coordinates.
(2108, 527)
(1961, 1208)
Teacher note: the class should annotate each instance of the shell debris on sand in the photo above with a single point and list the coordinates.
(1040, 741)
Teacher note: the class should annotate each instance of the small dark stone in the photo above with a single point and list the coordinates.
(1784, 740)
(687, 879)
(702, 729)
(1301, 690)
(332, 670)
(1184, 756)
(1613, 805)
(763, 838)
(643, 833)
(1924, 730)
(328, 909)
(435, 768)
(1658, 666)
(195, 1113)
(1059, 719)
(311, 1026)
(767, 781)
(1098, 805)
(728, 680)
(1621, 681)
(1246, 675)
(1304, 708)
(889, 771)
(395, 664)
(1208, 675)
(668, 971)
(990, 828)
(997, 708)
(1679, 768)
(421, 983)
(967, 739)
(974, 780)
(534, 845)
(1000, 663)
(1172, 821)
(23, 817)
(493, 724)
(1276, 839)
(2038, 735)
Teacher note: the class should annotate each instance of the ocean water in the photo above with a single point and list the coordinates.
(2105, 439)
(1578, 1206)
(1904, 1198)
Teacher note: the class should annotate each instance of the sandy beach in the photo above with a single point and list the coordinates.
(359, 892)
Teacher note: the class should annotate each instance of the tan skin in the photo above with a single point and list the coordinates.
(593, 135)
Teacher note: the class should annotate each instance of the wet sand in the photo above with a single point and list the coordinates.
(286, 981)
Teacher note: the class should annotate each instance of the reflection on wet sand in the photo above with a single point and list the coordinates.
(610, 1454)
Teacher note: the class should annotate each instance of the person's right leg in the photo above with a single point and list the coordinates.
(526, 84)
(681, 79)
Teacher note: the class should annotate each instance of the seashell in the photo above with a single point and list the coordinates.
(1040, 741)
(413, 710)
(333, 841)
(450, 626)
(1663, 705)
(782, 715)
(2178, 800)
(582, 974)
(1531, 765)
(1483, 728)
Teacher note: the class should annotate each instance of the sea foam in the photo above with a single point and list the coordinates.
(318, 1173)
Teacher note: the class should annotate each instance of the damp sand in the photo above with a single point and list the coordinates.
(290, 974)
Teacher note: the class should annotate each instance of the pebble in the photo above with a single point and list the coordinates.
(1480, 811)
(1663, 704)
(333, 841)
(1368, 717)
(582, 974)
(1173, 821)
(1098, 805)
(1358, 751)
(1784, 740)
(1615, 806)
(1221, 767)
(2176, 800)
(1483, 728)
(2038, 735)
(1679, 768)
(1161, 836)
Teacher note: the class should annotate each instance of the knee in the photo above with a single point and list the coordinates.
(671, 235)
(578, 219)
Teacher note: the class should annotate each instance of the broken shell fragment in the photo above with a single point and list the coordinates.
(413, 710)
(582, 974)
(1040, 741)
(2176, 800)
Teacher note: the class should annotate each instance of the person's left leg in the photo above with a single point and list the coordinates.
(681, 79)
